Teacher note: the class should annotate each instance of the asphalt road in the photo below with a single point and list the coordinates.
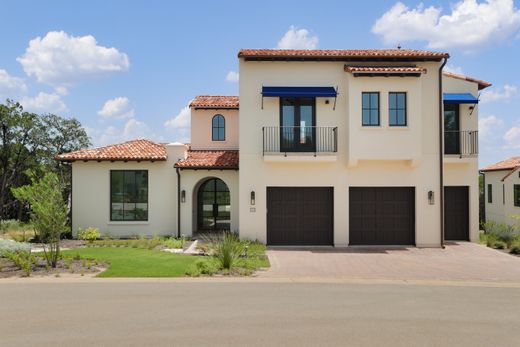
(178, 313)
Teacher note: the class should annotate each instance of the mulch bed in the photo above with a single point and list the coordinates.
(69, 266)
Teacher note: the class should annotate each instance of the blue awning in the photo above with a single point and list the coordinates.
(299, 92)
(460, 98)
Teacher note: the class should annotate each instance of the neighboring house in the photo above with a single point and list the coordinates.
(502, 190)
(337, 147)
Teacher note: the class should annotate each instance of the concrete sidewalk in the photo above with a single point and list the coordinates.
(461, 261)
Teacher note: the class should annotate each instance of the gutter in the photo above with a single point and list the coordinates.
(178, 202)
(441, 154)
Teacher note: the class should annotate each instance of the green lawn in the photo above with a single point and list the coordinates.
(134, 262)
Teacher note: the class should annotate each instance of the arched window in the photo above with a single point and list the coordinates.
(218, 125)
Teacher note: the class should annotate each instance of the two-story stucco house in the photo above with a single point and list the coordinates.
(337, 147)
(502, 190)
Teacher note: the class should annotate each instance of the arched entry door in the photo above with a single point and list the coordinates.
(214, 207)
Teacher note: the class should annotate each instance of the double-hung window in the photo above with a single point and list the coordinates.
(128, 195)
(397, 109)
(516, 195)
(370, 108)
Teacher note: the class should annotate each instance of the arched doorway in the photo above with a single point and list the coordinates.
(214, 205)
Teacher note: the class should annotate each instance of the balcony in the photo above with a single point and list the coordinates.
(300, 142)
(461, 143)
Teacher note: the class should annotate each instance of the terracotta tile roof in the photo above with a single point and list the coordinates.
(327, 54)
(131, 150)
(215, 102)
(209, 159)
(481, 84)
(508, 164)
(385, 69)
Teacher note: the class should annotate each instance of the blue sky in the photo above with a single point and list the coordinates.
(128, 69)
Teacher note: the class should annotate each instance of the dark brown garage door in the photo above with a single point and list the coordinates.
(382, 216)
(456, 213)
(300, 216)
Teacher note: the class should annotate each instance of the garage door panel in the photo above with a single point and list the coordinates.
(382, 215)
(299, 215)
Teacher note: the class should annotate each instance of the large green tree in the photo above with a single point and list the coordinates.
(29, 141)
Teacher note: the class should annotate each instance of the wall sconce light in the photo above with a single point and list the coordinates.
(252, 197)
(431, 198)
(183, 195)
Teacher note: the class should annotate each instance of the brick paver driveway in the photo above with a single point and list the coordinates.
(462, 261)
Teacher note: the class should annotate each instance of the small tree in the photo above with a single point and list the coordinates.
(48, 212)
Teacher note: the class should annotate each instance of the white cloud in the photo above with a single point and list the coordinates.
(179, 125)
(117, 108)
(505, 93)
(10, 86)
(133, 129)
(44, 103)
(454, 69)
(486, 125)
(63, 60)
(232, 76)
(296, 38)
(470, 26)
(512, 138)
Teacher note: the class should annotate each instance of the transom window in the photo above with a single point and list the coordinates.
(128, 195)
(516, 197)
(370, 108)
(218, 125)
(397, 108)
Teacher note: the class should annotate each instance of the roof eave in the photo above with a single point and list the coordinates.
(343, 59)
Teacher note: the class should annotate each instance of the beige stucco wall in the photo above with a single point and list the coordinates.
(201, 129)
(373, 161)
(91, 196)
(502, 207)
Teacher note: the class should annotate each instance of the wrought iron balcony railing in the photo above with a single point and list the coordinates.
(303, 139)
(463, 143)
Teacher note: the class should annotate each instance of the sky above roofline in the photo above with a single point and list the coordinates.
(130, 69)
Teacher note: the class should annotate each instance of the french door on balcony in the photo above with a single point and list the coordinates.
(451, 129)
(297, 124)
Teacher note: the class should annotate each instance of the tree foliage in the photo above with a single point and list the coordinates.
(29, 141)
(48, 211)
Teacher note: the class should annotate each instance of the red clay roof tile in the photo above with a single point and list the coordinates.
(481, 83)
(215, 102)
(508, 164)
(209, 159)
(340, 53)
(144, 150)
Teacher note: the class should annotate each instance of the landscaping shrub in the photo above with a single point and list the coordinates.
(515, 250)
(23, 259)
(499, 245)
(171, 242)
(490, 239)
(227, 249)
(202, 267)
(90, 234)
(13, 246)
(506, 234)
(48, 211)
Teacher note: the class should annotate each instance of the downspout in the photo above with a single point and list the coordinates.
(441, 154)
(483, 196)
(178, 202)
